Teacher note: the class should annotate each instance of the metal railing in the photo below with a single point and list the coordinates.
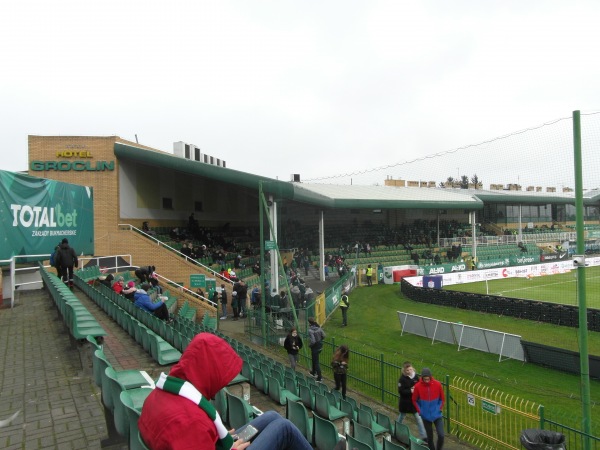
(476, 413)
(14, 270)
(162, 244)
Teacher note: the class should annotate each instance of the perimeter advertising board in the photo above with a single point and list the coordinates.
(37, 213)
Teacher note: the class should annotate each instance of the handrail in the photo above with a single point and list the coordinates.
(186, 290)
(13, 270)
(187, 258)
(116, 267)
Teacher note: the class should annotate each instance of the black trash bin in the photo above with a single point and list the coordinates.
(534, 439)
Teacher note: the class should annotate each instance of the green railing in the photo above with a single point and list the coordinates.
(376, 376)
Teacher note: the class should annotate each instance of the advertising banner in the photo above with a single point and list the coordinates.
(442, 268)
(534, 270)
(37, 213)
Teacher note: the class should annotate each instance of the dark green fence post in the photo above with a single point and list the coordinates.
(447, 387)
(541, 417)
(382, 378)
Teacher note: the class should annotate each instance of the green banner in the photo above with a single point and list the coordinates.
(493, 263)
(524, 259)
(197, 280)
(37, 213)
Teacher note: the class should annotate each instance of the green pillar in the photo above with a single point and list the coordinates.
(581, 294)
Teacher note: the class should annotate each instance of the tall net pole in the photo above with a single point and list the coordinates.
(581, 294)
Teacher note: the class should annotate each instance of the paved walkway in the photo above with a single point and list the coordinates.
(47, 396)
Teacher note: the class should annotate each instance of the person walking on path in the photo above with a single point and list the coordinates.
(339, 364)
(293, 344)
(428, 398)
(344, 305)
(66, 260)
(316, 336)
(406, 384)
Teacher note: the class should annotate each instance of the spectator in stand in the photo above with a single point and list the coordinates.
(144, 273)
(153, 278)
(119, 285)
(66, 259)
(223, 297)
(256, 268)
(237, 262)
(143, 301)
(255, 297)
(306, 264)
(232, 275)
(146, 229)
(185, 250)
(178, 415)
(129, 291)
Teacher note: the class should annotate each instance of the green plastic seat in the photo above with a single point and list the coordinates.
(278, 393)
(402, 434)
(261, 382)
(240, 412)
(355, 444)
(324, 409)
(130, 379)
(128, 405)
(366, 419)
(366, 435)
(220, 404)
(325, 434)
(346, 406)
(307, 397)
(385, 421)
(389, 445)
(296, 413)
(161, 351)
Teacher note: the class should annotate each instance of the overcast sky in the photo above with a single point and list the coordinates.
(317, 88)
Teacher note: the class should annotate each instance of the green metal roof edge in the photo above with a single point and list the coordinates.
(132, 153)
(406, 204)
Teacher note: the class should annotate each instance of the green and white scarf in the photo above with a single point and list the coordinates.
(187, 390)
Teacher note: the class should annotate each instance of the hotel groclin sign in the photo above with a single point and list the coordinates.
(67, 163)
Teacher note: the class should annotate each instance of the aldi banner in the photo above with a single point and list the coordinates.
(37, 213)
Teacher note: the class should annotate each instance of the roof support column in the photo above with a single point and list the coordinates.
(322, 246)
(273, 253)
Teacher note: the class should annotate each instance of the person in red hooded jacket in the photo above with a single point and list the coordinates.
(428, 398)
(177, 415)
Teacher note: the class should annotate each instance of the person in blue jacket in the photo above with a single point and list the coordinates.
(142, 300)
(428, 399)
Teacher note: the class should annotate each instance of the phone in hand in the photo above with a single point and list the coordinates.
(247, 433)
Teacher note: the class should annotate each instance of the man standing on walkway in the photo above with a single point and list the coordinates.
(428, 398)
(369, 273)
(65, 261)
(344, 305)
(315, 336)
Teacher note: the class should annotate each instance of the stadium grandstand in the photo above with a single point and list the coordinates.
(196, 220)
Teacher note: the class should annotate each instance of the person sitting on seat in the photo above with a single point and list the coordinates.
(118, 285)
(143, 301)
(178, 414)
(129, 291)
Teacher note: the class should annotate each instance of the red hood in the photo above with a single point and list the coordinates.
(209, 363)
